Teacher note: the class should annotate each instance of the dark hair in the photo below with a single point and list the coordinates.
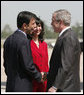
(24, 17)
(39, 21)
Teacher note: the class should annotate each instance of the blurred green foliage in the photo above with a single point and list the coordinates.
(49, 32)
(6, 32)
(78, 29)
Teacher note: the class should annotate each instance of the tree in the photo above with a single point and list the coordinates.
(49, 33)
(78, 28)
(6, 31)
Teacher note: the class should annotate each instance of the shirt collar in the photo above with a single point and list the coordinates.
(22, 32)
(64, 30)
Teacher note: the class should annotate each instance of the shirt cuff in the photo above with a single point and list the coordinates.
(54, 87)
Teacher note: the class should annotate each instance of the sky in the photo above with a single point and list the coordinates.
(43, 9)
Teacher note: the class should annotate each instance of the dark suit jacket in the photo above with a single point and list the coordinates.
(81, 45)
(64, 63)
(18, 64)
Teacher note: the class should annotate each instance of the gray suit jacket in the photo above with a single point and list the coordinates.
(64, 63)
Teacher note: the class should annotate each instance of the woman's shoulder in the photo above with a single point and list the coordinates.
(44, 43)
(31, 42)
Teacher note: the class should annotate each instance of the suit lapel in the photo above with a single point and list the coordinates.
(64, 34)
(60, 39)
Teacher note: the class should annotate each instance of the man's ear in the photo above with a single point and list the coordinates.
(61, 22)
(25, 26)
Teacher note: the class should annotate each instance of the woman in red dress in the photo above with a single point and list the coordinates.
(40, 55)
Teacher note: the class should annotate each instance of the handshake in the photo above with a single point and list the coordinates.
(44, 76)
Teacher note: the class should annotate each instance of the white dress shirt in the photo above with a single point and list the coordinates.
(64, 30)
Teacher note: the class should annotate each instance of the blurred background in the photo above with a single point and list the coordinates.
(44, 10)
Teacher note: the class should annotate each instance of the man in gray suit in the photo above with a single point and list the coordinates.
(64, 63)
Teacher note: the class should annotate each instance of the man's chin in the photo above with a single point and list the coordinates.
(54, 30)
(28, 32)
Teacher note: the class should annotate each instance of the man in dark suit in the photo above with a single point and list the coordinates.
(18, 63)
(64, 63)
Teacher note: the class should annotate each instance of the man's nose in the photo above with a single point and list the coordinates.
(35, 25)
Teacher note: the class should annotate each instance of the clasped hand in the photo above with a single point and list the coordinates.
(44, 76)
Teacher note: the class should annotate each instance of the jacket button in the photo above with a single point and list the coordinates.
(40, 65)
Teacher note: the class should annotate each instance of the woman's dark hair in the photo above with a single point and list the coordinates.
(39, 21)
(24, 17)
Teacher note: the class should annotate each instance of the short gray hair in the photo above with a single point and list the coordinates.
(63, 15)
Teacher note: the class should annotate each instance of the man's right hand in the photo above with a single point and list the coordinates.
(51, 89)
